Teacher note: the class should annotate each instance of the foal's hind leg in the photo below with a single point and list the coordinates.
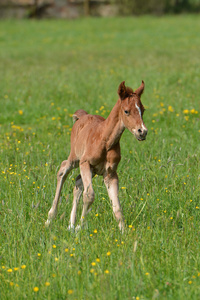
(77, 194)
(65, 168)
(88, 193)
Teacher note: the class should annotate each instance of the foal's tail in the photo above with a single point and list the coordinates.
(78, 114)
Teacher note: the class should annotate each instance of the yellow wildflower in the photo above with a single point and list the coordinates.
(9, 270)
(193, 111)
(170, 108)
(23, 266)
(186, 111)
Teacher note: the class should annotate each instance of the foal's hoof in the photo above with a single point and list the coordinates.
(47, 223)
(78, 228)
(71, 228)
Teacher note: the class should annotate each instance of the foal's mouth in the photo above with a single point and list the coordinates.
(140, 136)
(140, 139)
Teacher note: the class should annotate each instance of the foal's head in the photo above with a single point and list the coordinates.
(132, 110)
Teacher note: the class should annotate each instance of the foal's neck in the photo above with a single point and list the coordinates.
(113, 127)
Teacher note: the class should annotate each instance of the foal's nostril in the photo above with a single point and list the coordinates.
(142, 133)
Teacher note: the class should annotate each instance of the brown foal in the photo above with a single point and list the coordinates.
(95, 149)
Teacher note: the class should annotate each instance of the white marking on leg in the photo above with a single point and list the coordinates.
(73, 215)
(71, 227)
(77, 194)
(47, 223)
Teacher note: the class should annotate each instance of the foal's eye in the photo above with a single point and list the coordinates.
(126, 112)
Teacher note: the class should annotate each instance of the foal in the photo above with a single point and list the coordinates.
(95, 149)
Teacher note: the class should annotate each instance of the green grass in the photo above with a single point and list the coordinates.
(48, 70)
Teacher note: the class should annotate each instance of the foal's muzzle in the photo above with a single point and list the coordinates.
(140, 133)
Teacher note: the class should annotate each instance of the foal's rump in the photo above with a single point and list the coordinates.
(78, 114)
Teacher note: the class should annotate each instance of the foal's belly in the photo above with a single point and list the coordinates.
(99, 169)
(104, 168)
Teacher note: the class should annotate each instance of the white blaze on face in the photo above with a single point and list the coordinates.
(139, 110)
(143, 127)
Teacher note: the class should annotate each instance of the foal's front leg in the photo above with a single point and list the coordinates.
(111, 182)
(64, 170)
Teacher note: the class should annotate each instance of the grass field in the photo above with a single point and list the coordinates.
(49, 69)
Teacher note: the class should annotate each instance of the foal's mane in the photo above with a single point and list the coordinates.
(129, 91)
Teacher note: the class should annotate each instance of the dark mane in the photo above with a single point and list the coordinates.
(129, 91)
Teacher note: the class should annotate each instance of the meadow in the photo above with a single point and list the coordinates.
(51, 68)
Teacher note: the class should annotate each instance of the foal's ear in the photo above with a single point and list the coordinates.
(140, 90)
(122, 92)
